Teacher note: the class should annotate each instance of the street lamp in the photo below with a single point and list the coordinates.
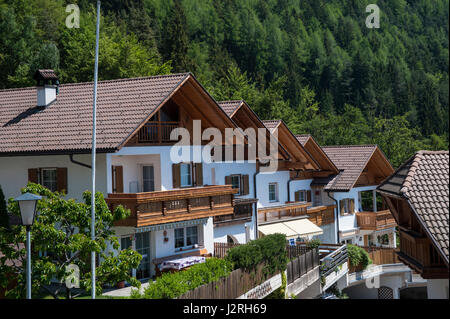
(27, 206)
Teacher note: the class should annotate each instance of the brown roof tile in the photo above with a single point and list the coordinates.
(230, 106)
(66, 124)
(424, 181)
(351, 161)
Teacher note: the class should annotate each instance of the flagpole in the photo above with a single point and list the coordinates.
(94, 147)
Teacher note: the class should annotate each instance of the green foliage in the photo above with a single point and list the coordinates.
(62, 230)
(4, 220)
(313, 244)
(280, 293)
(173, 285)
(358, 256)
(269, 250)
(317, 67)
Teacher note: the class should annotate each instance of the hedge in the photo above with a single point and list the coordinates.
(173, 285)
(270, 250)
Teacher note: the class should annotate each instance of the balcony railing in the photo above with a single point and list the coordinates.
(157, 132)
(160, 207)
(418, 253)
(375, 220)
(319, 215)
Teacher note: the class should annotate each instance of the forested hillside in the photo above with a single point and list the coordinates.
(312, 63)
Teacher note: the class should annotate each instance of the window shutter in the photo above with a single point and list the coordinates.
(308, 196)
(352, 206)
(61, 179)
(33, 174)
(228, 180)
(198, 174)
(297, 196)
(117, 179)
(341, 207)
(176, 177)
(245, 185)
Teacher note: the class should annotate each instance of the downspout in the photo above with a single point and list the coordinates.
(336, 216)
(256, 204)
(78, 163)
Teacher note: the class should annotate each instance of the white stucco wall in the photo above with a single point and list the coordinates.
(437, 288)
(262, 187)
(348, 222)
(361, 291)
(14, 173)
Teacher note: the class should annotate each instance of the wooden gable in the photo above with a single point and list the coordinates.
(376, 170)
(192, 102)
(245, 118)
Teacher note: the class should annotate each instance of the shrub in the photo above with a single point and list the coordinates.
(358, 256)
(313, 244)
(173, 285)
(270, 250)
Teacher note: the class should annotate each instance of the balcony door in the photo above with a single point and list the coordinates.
(148, 178)
(143, 248)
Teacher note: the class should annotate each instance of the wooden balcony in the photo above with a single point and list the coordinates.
(156, 132)
(375, 220)
(243, 212)
(319, 215)
(418, 253)
(161, 207)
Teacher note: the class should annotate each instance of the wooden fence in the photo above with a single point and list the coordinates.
(382, 256)
(301, 264)
(235, 285)
(221, 249)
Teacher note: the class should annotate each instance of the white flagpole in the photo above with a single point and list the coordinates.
(94, 147)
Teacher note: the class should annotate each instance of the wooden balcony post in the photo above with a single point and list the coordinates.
(188, 205)
(163, 208)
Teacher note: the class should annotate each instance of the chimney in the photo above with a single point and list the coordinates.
(47, 87)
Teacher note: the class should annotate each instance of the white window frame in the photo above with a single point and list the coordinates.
(305, 196)
(142, 176)
(238, 176)
(185, 245)
(41, 177)
(190, 165)
(276, 193)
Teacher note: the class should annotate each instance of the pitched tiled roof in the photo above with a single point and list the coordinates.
(45, 74)
(271, 124)
(230, 106)
(303, 138)
(424, 181)
(66, 124)
(351, 161)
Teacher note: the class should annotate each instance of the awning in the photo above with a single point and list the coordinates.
(279, 228)
(292, 229)
(304, 227)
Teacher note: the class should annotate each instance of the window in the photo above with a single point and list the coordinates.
(186, 237)
(347, 206)
(301, 197)
(143, 248)
(179, 237)
(125, 243)
(273, 192)
(148, 179)
(191, 236)
(236, 183)
(48, 178)
(186, 175)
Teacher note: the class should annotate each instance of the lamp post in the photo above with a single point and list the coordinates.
(27, 205)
